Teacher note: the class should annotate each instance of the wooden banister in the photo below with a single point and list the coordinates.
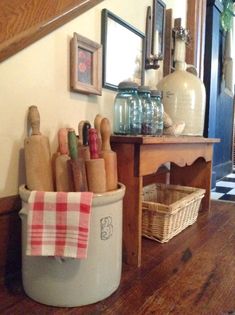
(22, 22)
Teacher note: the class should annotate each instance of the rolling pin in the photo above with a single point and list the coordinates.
(97, 122)
(62, 174)
(37, 156)
(75, 164)
(83, 150)
(95, 167)
(110, 157)
(80, 127)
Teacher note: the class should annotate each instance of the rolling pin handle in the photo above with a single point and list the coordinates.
(34, 120)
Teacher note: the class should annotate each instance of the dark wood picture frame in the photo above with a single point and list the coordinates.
(85, 65)
(123, 51)
(158, 28)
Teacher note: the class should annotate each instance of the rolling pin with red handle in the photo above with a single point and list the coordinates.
(95, 167)
(110, 157)
(76, 164)
(37, 156)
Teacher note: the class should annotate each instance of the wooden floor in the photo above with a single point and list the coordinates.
(192, 274)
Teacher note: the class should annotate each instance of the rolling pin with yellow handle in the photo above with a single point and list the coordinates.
(76, 164)
(110, 157)
(97, 123)
(95, 167)
(62, 174)
(37, 156)
(80, 127)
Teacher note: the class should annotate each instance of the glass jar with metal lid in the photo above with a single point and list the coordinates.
(158, 111)
(147, 110)
(127, 109)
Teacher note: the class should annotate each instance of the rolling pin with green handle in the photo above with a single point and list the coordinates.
(95, 167)
(76, 164)
(37, 156)
(110, 157)
(62, 174)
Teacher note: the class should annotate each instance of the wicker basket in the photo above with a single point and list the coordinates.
(169, 209)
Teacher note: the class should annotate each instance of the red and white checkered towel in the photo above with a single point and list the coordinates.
(58, 224)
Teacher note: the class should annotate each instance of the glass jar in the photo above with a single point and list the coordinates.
(158, 111)
(147, 110)
(127, 109)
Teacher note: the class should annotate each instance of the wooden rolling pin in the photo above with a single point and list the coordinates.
(37, 156)
(97, 122)
(83, 150)
(80, 128)
(76, 164)
(62, 174)
(95, 167)
(110, 157)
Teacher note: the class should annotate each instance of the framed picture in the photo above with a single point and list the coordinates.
(159, 10)
(123, 51)
(85, 65)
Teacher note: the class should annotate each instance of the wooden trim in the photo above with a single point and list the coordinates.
(167, 61)
(162, 140)
(196, 21)
(10, 237)
(27, 21)
(9, 204)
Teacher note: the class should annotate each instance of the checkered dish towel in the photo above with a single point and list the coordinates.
(58, 224)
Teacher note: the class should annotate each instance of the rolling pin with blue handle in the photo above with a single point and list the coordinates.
(37, 156)
(109, 156)
(83, 150)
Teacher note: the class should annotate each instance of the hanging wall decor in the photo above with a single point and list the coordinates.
(159, 9)
(151, 61)
(123, 51)
(85, 65)
(155, 29)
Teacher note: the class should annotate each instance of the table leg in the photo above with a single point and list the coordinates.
(196, 175)
(132, 210)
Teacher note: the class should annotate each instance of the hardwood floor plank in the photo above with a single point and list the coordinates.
(194, 273)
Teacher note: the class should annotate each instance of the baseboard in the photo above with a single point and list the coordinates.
(213, 179)
(9, 204)
(10, 237)
(223, 169)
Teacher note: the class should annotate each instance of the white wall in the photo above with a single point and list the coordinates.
(39, 75)
(179, 9)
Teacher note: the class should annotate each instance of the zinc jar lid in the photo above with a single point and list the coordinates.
(156, 93)
(127, 85)
(144, 89)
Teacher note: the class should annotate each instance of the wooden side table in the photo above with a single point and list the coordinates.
(191, 165)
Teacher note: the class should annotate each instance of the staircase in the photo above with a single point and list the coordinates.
(22, 22)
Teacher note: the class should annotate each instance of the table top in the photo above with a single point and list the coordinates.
(161, 140)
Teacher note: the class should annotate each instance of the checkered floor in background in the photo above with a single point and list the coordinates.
(225, 188)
